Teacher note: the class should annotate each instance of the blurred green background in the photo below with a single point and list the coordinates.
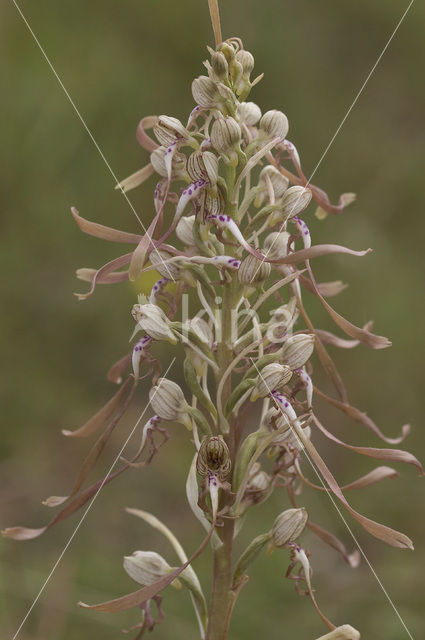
(120, 61)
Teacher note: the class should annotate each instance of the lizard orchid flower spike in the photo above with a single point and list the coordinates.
(230, 239)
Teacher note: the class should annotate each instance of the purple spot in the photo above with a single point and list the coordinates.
(190, 192)
(286, 404)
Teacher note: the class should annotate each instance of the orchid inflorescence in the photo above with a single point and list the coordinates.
(227, 234)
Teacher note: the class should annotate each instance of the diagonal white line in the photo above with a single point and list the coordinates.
(331, 498)
(83, 122)
(83, 517)
(341, 124)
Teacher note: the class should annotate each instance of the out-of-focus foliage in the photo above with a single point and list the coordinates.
(120, 61)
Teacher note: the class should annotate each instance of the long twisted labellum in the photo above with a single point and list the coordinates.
(368, 338)
(380, 531)
(136, 179)
(103, 232)
(94, 453)
(107, 269)
(363, 418)
(142, 137)
(87, 275)
(352, 559)
(102, 416)
(147, 593)
(392, 455)
(24, 533)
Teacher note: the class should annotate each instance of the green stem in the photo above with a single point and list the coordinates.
(222, 596)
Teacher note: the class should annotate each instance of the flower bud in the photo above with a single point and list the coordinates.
(297, 350)
(273, 376)
(168, 402)
(169, 129)
(278, 180)
(288, 526)
(274, 419)
(246, 60)
(295, 200)
(253, 271)
(225, 134)
(205, 335)
(215, 204)
(153, 321)
(274, 124)
(184, 230)
(291, 439)
(345, 632)
(205, 92)
(282, 321)
(202, 330)
(219, 65)
(227, 50)
(276, 244)
(146, 567)
(213, 457)
(203, 165)
(169, 270)
(158, 163)
(249, 113)
(258, 489)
